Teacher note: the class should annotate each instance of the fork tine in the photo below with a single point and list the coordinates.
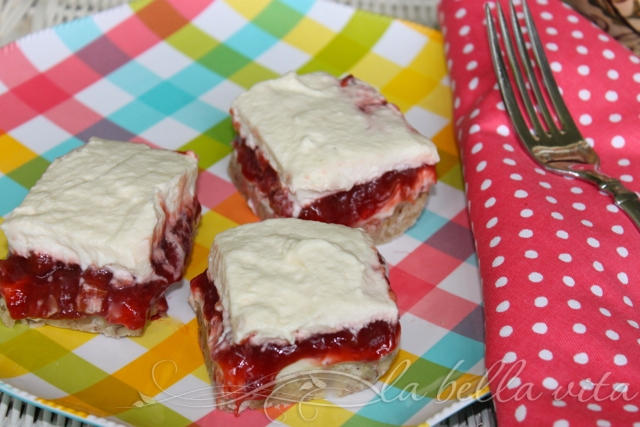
(509, 97)
(564, 117)
(515, 68)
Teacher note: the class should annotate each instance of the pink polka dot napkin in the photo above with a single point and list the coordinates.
(560, 263)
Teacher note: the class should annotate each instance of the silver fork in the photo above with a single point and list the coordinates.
(559, 149)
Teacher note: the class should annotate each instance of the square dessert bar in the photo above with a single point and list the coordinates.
(100, 237)
(286, 299)
(330, 150)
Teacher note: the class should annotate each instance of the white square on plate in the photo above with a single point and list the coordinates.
(40, 134)
(220, 21)
(222, 95)
(104, 97)
(446, 200)
(220, 168)
(426, 122)
(33, 382)
(190, 397)
(332, 15)
(44, 50)
(413, 326)
(177, 297)
(163, 60)
(109, 18)
(169, 133)
(400, 43)
(464, 282)
(282, 58)
(110, 354)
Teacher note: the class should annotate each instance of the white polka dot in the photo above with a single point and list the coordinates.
(603, 423)
(540, 328)
(620, 359)
(526, 213)
(480, 167)
(545, 185)
(510, 357)
(503, 130)
(605, 312)
(620, 387)
(521, 413)
(464, 30)
(618, 141)
(557, 215)
(615, 118)
(562, 234)
(545, 355)
(623, 252)
(594, 243)
(581, 358)
(561, 423)
(623, 278)
(473, 115)
(503, 306)
(497, 262)
(500, 106)
(582, 50)
(521, 194)
(506, 331)
(587, 223)
(565, 257)
(461, 13)
(474, 128)
(514, 383)
(633, 323)
(583, 70)
(468, 48)
(535, 277)
(598, 266)
(594, 407)
(596, 290)
(573, 19)
(584, 94)
(576, 190)
(577, 34)
(579, 206)
(587, 384)
(540, 171)
(613, 74)
(541, 302)
(490, 202)
(552, 47)
(608, 54)
(585, 119)
(626, 178)
(457, 102)
(501, 282)
(630, 408)
(559, 404)
(551, 199)
(508, 147)
(603, 38)
(546, 16)
(516, 177)
(611, 96)
(617, 229)
(494, 242)
(526, 233)
(509, 162)
(552, 31)
(492, 222)
(473, 84)
(612, 208)
(612, 335)
(557, 67)
(472, 65)
(568, 280)
(627, 301)
(550, 383)
(574, 304)
(579, 328)
(477, 147)
(485, 184)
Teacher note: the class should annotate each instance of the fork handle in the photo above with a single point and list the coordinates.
(626, 199)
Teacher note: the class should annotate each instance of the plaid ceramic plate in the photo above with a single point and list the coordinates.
(164, 72)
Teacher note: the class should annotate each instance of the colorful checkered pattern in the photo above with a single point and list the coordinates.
(165, 72)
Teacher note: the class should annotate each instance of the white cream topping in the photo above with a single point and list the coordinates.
(101, 205)
(288, 279)
(321, 137)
